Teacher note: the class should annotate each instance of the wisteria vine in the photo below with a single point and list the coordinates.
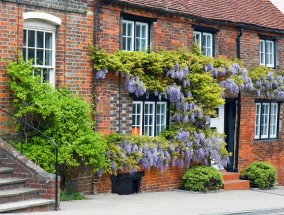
(194, 85)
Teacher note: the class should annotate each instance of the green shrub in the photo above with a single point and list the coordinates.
(261, 175)
(68, 195)
(202, 178)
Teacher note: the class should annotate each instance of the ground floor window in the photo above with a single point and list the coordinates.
(266, 120)
(149, 117)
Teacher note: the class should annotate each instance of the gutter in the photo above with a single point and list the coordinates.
(166, 10)
(236, 157)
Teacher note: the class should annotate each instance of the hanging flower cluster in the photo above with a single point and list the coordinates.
(131, 153)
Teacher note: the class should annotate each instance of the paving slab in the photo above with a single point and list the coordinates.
(178, 202)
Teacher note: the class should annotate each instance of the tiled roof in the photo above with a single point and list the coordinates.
(255, 13)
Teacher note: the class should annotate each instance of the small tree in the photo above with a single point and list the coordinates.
(63, 116)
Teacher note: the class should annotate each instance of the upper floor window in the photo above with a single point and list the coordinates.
(39, 43)
(266, 120)
(149, 117)
(267, 53)
(205, 42)
(135, 35)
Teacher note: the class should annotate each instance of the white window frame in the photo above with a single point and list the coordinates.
(265, 52)
(267, 121)
(204, 49)
(143, 116)
(160, 126)
(133, 35)
(136, 114)
(148, 115)
(42, 22)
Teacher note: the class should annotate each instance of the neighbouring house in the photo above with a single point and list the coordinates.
(57, 33)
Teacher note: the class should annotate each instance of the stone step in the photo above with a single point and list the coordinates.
(227, 176)
(6, 172)
(11, 183)
(236, 185)
(28, 206)
(20, 194)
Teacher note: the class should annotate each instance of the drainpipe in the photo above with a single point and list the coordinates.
(241, 30)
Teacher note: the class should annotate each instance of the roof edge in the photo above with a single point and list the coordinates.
(199, 18)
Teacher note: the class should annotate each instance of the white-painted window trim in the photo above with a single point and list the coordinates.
(204, 49)
(42, 22)
(137, 114)
(265, 52)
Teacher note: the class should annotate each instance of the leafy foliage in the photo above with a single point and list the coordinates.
(68, 195)
(260, 174)
(61, 115)
(202, 178)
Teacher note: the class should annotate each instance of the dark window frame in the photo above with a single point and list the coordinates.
(135, 19)
(274, 40)
(210, 30)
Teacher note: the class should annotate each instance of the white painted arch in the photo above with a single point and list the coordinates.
(42, 16)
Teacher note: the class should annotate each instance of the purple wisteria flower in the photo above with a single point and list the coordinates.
(101, 74)
(174, 93)
(134, 85)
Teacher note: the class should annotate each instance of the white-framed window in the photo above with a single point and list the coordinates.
(266, 120)
(149, 118)
(205, 42)
(39, 43)
(267, 53)
(135, 36)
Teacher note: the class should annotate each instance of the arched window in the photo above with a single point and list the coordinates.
(39, 43)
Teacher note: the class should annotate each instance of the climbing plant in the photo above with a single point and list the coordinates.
(194, 85)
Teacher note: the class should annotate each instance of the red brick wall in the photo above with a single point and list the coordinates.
(73, 62)
(251, 150)
(154, 180)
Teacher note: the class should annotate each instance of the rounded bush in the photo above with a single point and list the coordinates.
(202, 178)
(261, 175)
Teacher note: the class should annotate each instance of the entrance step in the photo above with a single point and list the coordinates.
(236, 185)
(232, 181)
(6, 172)
(27, 206)
(11, 183)
(20, 194)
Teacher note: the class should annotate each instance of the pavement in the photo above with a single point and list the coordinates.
(248, 202)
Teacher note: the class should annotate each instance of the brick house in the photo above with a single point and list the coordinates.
(250, 30)
(57, 33)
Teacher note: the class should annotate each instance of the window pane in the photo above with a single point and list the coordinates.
(48, 58)
(143, 45)
(31, 38)
(45, 74)
(257, 120)
(144, 31)
(138, 46)
(197, 38)
(265, 120)
(25, 54)
(136, 118)
(129, 44)
(161, 117)
(124, 29)
(48, 40)
(138, 33)
(124, 44)
(273, 120)
(31, 54)
(130, 29)
(25, 38)
(40, 39)
(262, 52)
(39, 55)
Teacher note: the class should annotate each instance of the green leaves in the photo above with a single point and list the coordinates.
(63, 116)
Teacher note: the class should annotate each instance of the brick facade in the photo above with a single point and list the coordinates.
(250, 150)
(154, 180)
(86, 22)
